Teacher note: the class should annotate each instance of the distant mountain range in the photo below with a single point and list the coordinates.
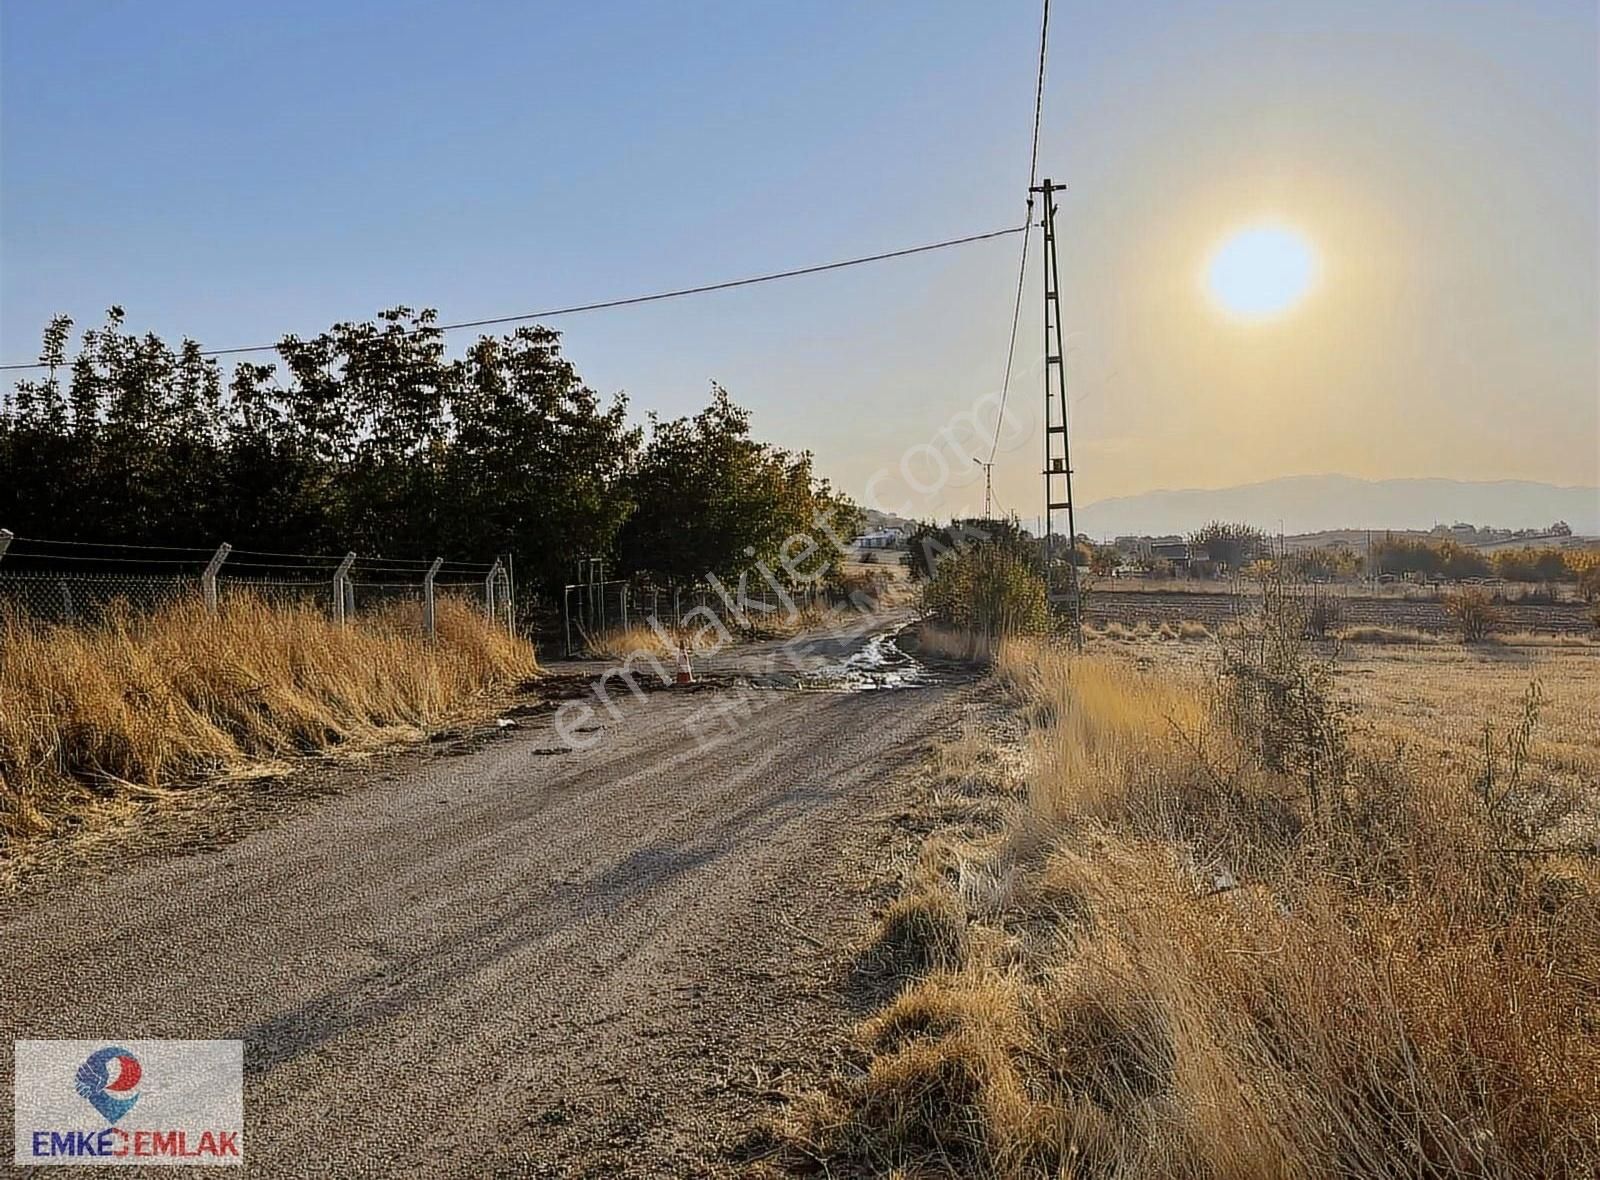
(1316, 503)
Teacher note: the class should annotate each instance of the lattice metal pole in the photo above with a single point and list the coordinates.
(1057, 452)
(208, 580)
(427, 598)
(340, 577)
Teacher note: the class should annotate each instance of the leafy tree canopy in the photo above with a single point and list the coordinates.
(369, 436)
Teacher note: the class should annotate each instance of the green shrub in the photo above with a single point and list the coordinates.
(989, 590)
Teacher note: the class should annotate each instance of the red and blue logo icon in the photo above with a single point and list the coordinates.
(108, 1080)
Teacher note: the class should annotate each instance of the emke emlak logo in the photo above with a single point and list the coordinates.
(189, 1097)
(107, 1080)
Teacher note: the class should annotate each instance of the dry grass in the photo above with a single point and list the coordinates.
(1406, 636)
(1541, 639)
(1144, 630)
(1172, 966)
(952, 643)
(103, 718)
(621, 643)
(1435, 702)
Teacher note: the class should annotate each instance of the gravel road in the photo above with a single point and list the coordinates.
(522, 959)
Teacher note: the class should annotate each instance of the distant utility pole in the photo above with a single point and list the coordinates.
(1060, 589)
(988, 486)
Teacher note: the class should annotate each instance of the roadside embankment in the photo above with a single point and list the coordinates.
(1218, 918)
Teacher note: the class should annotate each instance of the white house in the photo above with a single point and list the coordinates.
(880, 539)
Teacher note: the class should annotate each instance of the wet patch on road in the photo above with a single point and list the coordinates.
(879, 665)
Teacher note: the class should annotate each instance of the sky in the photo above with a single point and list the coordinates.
(236, 172)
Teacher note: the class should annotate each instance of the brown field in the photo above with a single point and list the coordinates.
(1429, 592)
(1213, 607)
(1143, 942)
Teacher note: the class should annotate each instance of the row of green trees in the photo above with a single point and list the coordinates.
(1453, 561)
(1236, 546)
(370, 436)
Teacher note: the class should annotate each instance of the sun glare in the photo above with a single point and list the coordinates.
(1261, 271)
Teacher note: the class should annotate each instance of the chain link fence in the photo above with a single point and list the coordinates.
(596, 608)
(72, 595)
(68, 582)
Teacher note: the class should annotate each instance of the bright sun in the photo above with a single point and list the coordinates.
(1261, 271)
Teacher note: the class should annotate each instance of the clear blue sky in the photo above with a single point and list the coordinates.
(233, 172)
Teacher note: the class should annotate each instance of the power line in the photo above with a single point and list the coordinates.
(100, 560)
(637, 299)
(237, 557)
(1027, 222)
(115, 545)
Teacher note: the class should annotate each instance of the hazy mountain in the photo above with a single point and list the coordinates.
(1313, 503)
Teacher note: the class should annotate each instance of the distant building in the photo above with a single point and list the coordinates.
(880, 539)
(1177, 552)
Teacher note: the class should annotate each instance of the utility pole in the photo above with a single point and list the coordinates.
(988, 486)
(1061, 589)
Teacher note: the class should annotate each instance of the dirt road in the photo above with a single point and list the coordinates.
(520, 960)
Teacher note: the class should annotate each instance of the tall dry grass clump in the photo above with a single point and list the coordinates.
(136, 704)
(1226, 935)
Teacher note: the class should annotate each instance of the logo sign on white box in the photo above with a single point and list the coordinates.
(129, 1102)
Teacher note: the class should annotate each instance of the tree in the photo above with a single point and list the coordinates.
(1325, 563)
(1529, 564)
(1229, 545)
(930, 543)
(540, 465)
(711, 500)
(36, 454)
(1100, 560)
(1474, 612)
(370, 436)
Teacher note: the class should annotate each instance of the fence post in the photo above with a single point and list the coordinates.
(340, 576)
(5, 541)
(508, 601)
(624, 606)
(427, 597)
(208, 580)
(488, 589)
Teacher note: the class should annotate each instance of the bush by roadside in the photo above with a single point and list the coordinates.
(987, 590)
